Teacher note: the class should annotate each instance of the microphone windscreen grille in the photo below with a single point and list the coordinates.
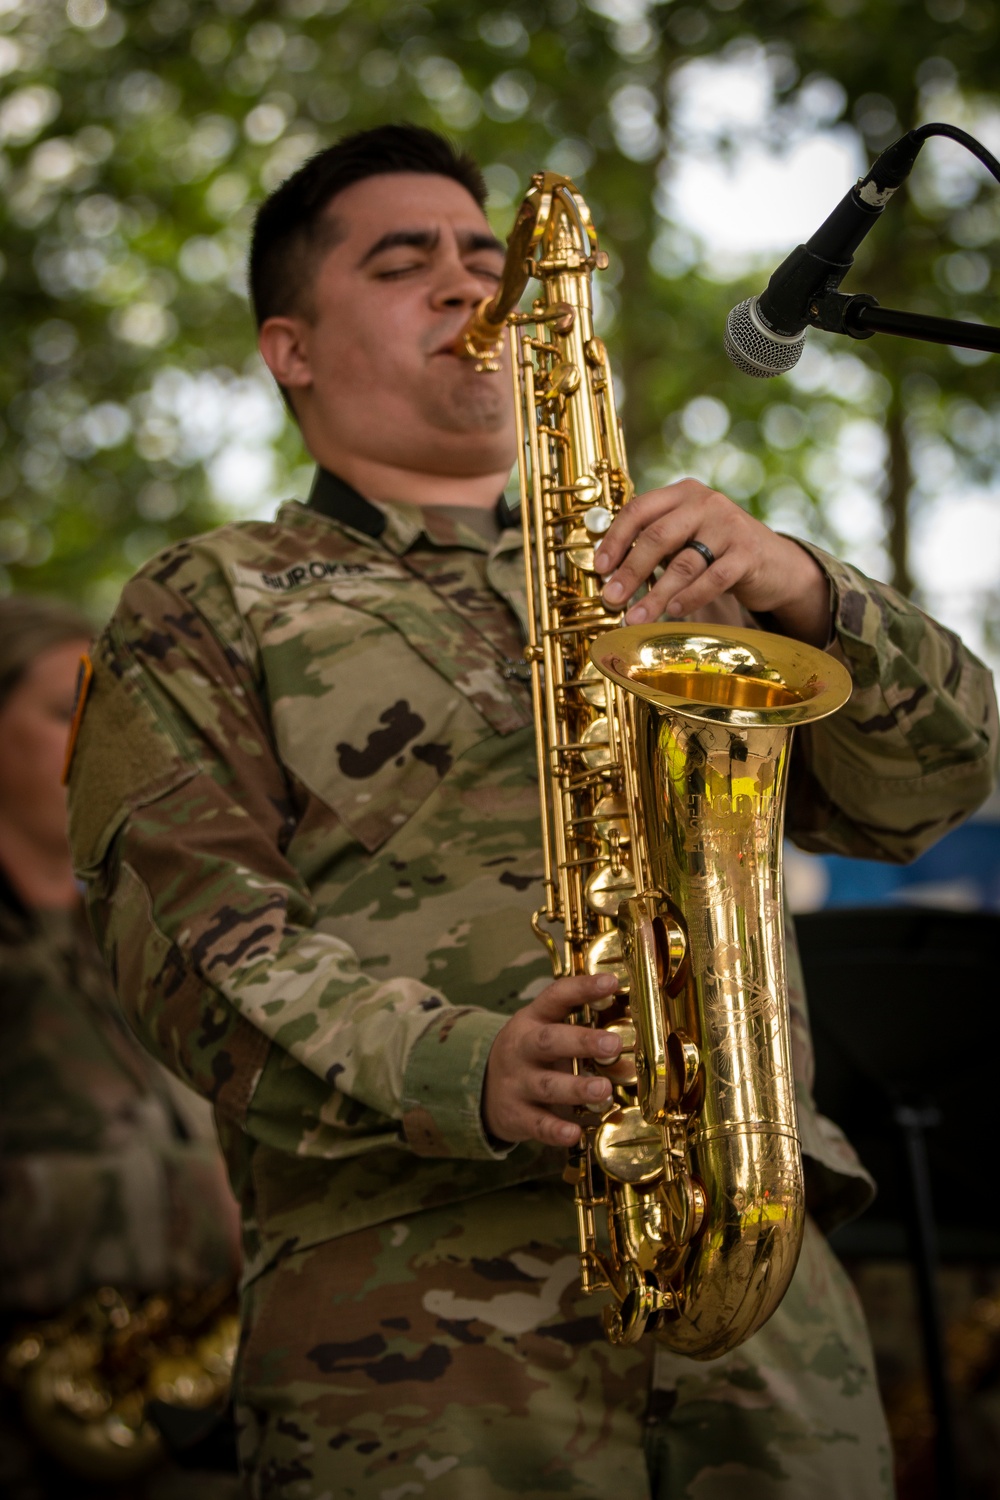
(753, 350)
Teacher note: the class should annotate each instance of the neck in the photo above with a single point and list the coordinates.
(41, 877)
(386, 482)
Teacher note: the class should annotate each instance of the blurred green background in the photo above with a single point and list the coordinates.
(137, 137)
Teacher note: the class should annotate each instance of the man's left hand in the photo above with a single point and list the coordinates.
(765, 572)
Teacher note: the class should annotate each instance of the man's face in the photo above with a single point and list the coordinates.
(415, 256)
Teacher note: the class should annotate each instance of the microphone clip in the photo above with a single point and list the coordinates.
(839, 312)
(861, 316)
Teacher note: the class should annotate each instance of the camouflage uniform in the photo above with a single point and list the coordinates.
(109, 1169)
(107, 1174)
(304, 805)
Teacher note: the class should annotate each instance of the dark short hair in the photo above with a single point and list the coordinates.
(291, 231)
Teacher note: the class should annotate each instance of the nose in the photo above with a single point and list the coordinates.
(455, 284)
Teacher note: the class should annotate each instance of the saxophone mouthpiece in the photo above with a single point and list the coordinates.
(482, 337)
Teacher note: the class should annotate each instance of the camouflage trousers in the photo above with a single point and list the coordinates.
(451, 1355)
(792, 1413)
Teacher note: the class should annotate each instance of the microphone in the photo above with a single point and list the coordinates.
(765, 335)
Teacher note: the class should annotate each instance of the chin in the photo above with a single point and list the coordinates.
(470, 452)
(475, 410)
(473, 465)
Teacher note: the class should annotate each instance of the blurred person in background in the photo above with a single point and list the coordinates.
(110, 1174)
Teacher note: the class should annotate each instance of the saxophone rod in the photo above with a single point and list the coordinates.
(481, 337)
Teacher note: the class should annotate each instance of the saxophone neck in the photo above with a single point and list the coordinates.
(552, 234)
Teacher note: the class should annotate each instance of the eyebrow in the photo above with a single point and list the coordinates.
(427, 239)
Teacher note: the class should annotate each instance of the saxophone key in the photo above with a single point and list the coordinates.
(606, 888)
(628, 1149)
(684, 1202)
(635, 1246)
(563, 380)
(626, 1322)
(579, 548)
(592, 686)
(597, 751)
(604, 956)
(683, 1066)
(598, 520)
(611, 820)
(624, 1063)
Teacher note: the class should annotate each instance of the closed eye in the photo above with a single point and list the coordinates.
(408, 268)
(390, 273)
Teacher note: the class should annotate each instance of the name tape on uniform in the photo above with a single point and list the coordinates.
(315, 570)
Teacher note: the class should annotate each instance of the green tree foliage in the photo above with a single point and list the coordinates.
(899, 63)
(136, 138)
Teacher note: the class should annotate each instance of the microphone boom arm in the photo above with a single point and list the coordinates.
(860, 316)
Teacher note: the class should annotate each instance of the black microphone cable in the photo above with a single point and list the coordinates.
(765, 335)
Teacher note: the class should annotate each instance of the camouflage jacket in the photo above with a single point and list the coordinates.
(305, 807)
(105, 1174)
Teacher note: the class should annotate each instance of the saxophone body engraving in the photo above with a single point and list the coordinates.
(662, 758)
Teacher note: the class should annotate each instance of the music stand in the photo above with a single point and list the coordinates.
(907, 1032)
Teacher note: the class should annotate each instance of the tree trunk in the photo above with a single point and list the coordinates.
(896, 501)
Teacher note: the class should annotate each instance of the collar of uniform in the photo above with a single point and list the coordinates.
(460, 526)
(397, 525)
(334, 497)
(394, 526)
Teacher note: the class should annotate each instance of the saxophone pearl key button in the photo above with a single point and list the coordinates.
(597, 520)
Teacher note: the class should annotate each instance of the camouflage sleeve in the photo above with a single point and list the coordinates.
(914, 751)
(180, 811)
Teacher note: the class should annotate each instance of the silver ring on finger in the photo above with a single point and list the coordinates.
(702, 549)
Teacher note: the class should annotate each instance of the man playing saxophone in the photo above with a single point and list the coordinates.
(304, 806)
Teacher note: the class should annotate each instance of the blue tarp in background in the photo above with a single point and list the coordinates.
(960, 873)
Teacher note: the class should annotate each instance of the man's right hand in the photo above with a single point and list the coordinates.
(529, 1076)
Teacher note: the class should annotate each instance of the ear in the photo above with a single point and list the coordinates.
(285, 346)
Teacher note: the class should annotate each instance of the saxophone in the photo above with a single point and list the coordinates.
(662, 760)
(95, 1382)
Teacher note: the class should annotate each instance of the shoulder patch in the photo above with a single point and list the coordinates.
(84, 678)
